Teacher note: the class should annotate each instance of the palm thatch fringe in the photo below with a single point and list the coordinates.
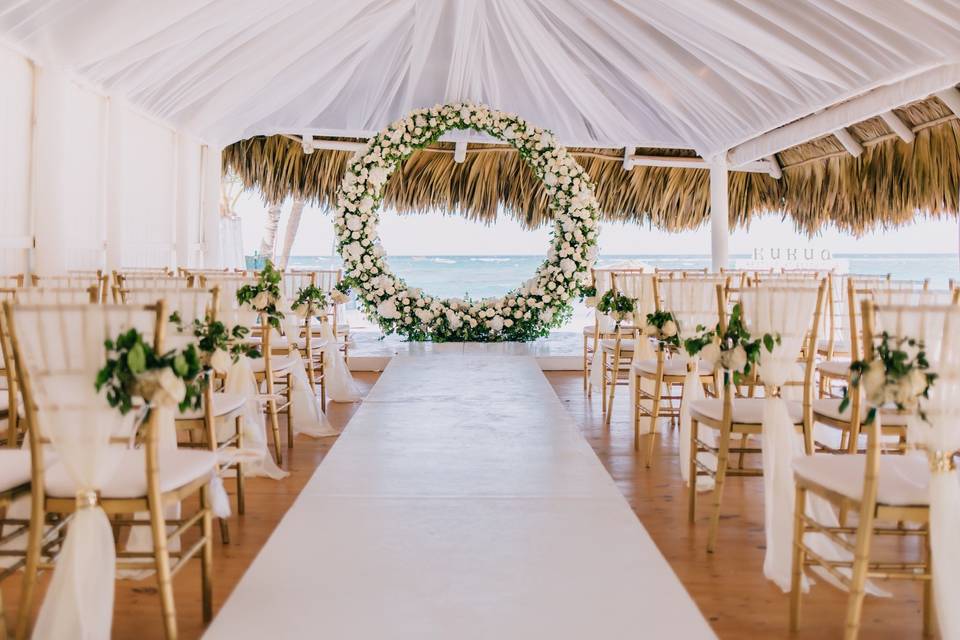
(888, 185)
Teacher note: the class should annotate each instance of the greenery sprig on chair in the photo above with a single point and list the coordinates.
(734, 349)
(662, 326)
(893, 377)
(616, 305)
(218, 345)
(308, 297)
(263, 296)
(133, 369)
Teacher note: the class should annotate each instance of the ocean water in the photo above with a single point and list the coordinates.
(484, 276)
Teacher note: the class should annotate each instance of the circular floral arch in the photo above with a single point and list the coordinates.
(526, 313)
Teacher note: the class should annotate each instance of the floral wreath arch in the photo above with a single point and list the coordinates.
(526, 313)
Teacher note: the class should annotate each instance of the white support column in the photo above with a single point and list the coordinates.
(212, 251)
(719, 214)
(47, 197)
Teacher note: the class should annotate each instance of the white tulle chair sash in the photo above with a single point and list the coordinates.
(938, 434)
(61, 348)
(693, 304)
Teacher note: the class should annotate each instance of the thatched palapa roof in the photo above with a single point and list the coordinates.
(887, 185)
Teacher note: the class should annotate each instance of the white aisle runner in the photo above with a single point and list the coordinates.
(460, 502)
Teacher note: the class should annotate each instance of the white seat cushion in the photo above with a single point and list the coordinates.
(835, 368)
(610, 344)
(589, 329)
(830, 408)
(671, 367)
(904, 479)
(839, 346)
(745, 410)
(279, 363)
(14, 468)
(223, 404)
(178, 467)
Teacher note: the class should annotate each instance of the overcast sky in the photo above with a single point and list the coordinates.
(436, 234)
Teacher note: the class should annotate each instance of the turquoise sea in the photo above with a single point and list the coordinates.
(482, 276)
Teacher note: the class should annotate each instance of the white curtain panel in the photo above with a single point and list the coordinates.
(693, 303)
(939, 329)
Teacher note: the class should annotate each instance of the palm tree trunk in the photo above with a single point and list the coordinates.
(296, 211)
(269, 242)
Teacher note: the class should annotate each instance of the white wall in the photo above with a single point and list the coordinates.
(88, 182)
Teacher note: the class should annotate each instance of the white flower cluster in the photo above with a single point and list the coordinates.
(523, 314)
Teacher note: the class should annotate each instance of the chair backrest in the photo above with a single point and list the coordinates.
(692, 301)
(71, 282)
(157, 281)
(682, 272)
(793, 312)
(190, 304)
(229, 310)
(46, 295)
(293, 281)
(12, 281)
(637, 286)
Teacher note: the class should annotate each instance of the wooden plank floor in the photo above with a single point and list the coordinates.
(728, 586)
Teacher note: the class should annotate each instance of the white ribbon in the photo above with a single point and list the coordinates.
(241, 381)
(340, 384)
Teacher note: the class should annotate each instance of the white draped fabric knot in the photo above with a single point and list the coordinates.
(241, 381)
(939, 436)
(693, 303)
(787, 312)
(340, 384)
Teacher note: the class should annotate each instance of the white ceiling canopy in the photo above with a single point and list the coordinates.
(701, 74)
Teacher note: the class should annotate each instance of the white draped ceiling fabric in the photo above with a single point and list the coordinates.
(707, 75)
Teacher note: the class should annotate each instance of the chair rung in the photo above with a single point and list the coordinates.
(187, 555)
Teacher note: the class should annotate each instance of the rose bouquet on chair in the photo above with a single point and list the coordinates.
(133, 369)
(898, 376)
(310, 300)
(731, 348)
(617, 306)
(662, 327)
(219, 346)
(264, 296)
(588, 293)
(340, 293)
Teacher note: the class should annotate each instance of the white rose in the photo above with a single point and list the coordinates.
(495, 324)
(710, 354)
(220, 361)
(339, 297)
(378, 175)
(453, 320)
(162, 388)
(508, 322)
(388, 309)
(354, 223)
(547, 315)
(669, 329)
(550, 179)
(568, 266)
(366, 204)
(735, 359)
(261, 301)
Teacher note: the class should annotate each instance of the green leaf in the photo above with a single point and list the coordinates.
(768, 342)
(180, 366)
(137, 358)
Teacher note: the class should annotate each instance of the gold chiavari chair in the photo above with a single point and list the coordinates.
(730, 416)
(101, 282)
(12, 281)
(274, 369)
(602, 328)
(10, 396)
(889, 493)
(618, 352)
(218, 425)
(327, 280)
(151, 282)
(14, 483)
(308, 344)
(680, 271)
(692, 302)
(826, 410)
(144, 480)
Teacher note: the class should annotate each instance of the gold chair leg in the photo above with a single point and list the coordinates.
(289, 411)
(274, 420)
(654, 416)
(796, 576)
(585, 374)
(722, 459)
(858, 580)
(241, 489)
(224, 530)
(613, 386)
(692, 490)
(603, 386)
(30, 573)
(206, 557)
(928, 626)
(636, 411)
(158, 528)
